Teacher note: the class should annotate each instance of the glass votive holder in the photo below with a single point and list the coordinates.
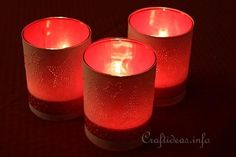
(169, 32)
(119, 76)
(53, 49)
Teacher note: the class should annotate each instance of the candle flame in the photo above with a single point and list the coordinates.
(162, 32)
(64, 45)
(117, 68)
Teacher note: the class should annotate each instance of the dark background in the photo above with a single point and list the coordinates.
(208, 106)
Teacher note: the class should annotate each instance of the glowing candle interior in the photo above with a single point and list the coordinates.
(120, 61)
(56, 33)
(119, 58)
(161, 22)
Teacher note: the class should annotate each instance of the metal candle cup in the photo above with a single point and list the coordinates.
(53, 49)
(169, 32)
(119, 77)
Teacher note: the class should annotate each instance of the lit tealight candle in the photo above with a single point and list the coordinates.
(169, 32)
(119, 77)
(53, 49)
(162, 33)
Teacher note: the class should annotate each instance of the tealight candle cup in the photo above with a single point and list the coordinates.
(53, 49)
(119, 77)
(169, 31)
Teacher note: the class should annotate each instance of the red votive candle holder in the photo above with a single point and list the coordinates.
(169, 32)
(53, 49)
(119, 76)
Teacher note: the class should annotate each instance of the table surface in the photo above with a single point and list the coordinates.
(208, 106)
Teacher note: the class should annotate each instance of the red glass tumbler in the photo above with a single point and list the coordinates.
(119, 77)
(169, 32)
(53, 49)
